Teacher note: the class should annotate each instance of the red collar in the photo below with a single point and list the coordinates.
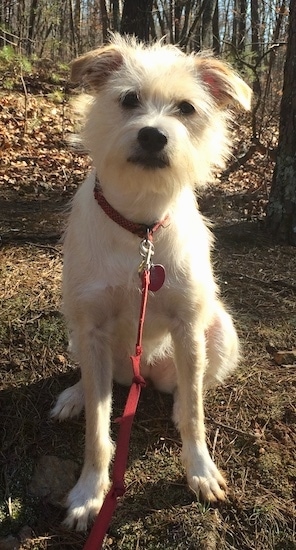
(140, 229)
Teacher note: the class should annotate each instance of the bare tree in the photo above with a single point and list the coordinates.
(136, 18)
(281, 213)
(216, 30)
(72, 28)
(77, 24)
(207, 36)
(116, 15)
(104, 16)
(31, 26)
(242, 31)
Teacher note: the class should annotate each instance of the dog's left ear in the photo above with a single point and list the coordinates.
(224, 85)
(93, 68)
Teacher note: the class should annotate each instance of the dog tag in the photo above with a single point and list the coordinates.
(157, 277)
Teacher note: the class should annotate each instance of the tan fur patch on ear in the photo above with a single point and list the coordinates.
(93, 68)
(225, 86)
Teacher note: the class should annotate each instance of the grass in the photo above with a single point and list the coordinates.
(251, 420)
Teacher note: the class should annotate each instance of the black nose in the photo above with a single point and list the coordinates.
(151, 139)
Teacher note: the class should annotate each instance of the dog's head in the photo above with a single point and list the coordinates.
(155, 109)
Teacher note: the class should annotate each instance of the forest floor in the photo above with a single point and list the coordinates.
(250, 420)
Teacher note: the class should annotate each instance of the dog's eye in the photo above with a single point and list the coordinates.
(130, 100)
(186, 108)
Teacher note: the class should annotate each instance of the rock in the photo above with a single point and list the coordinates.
(271, 348)
(9, 543)
(12, 543)
(53, 478)
(285, 357)
(25, 533)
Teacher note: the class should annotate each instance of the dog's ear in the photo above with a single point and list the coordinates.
(224, 85)
(93, 68)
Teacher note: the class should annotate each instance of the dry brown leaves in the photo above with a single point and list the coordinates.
(34, 153)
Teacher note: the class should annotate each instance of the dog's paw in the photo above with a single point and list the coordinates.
(70, 403)
(85, 501)
(80, 516)
(203, 476)
(210, 485)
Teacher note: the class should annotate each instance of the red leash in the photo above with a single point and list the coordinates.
(153, 277)
(102, 522)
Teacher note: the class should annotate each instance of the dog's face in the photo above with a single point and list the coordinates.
(158, 116)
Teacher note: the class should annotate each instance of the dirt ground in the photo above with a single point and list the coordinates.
(250, 420)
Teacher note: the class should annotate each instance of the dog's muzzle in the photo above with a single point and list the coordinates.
(151, 152)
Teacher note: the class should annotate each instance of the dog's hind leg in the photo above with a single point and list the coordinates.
(222, 347)
(69, 403)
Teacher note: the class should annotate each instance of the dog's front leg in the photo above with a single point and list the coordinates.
(190, 356)
(86, 498)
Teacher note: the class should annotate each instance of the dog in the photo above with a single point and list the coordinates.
(156, 126)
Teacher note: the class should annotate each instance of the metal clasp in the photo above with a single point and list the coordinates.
(146, 251)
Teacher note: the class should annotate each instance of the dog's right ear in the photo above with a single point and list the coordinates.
(93, 68)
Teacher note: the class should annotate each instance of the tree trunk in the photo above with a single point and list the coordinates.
(160, 19)
(256, 47)
(171, 17)
(31, 27)
(242, 27)
(72, 30)
(195, 28)
(77, 24)
(178, 13)
(234, 39)
(255, 24)
(216, 30)
(136, 18)
(281, 212)
(116, 17)
(104, 17)
(207, 24)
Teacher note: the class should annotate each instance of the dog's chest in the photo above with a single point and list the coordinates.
(126, 308)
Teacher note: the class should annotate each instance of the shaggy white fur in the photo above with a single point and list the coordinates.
(156, 127)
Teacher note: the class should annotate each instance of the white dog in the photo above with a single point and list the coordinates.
(156, 126)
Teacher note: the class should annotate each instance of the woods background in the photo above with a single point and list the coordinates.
(39, 37)
(250, 35)
(61, 29)
(250, 420)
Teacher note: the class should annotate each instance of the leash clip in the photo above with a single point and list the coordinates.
(146, 251)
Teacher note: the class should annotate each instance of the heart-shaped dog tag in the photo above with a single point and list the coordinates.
(157, 277)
